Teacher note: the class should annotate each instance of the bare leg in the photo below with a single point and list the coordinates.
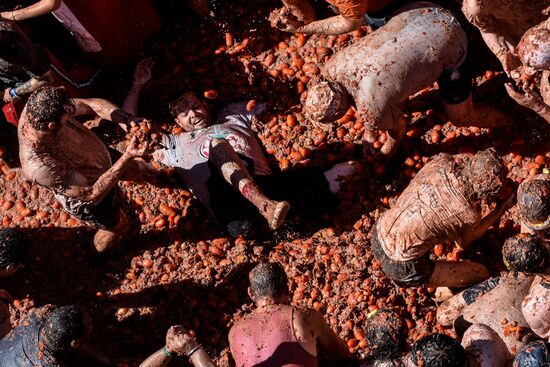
(481, 115)
(449, 310)
(106, 239)
(485, 347)
(231, 168)
(457, 274)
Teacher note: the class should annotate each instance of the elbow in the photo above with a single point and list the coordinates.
(52, 5)
(351, 25)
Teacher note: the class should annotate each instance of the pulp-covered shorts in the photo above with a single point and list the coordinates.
(104, 214)
(411, 273)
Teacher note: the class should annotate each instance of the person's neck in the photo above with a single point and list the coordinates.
(34, 136)
(267, 304)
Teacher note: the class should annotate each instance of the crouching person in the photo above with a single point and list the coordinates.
(61, 154)
(277, 334)
(179, 344)
(442, 202)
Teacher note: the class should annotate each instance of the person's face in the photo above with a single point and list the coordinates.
(192, 114)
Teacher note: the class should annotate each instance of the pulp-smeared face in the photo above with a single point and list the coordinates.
(191, 114)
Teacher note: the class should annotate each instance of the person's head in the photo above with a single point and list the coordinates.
(438, 350)
(534, 49)
(526, 253)
(534, 354)
(326, 102)
(65, 327)
(268, 281)
(534, 203)
(190, 112)
(486, 175)
(14, 248)
(385, 334)
(47, 108)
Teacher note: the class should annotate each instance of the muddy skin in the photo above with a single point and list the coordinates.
(536, 307)
(534, 47)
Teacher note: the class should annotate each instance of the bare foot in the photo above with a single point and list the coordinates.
(275, 213)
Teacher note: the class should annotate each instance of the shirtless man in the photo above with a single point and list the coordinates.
(14, 247)
(61, 154)
(179, 344)
(277, 334)
(534, 204)
(493, 316)
(442, 202)
(517, 32)
(420, 44)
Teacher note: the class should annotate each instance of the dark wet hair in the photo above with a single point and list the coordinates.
(534, 200)
(64, 325)
(385, 334)
(438, 350)
(14, 247)
(46, 105)
(268, 280)
(486, 173)
(534, 354)
(526, 253)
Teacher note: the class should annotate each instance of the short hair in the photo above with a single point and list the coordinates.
(385, 334)
(526, 253)
(176, 101)
(268, 280)
(534, 201)
(46, 105)
(64, 325)
(326, 102)
(487, 174)
(533, 354)
(14, 246)
(438, 350)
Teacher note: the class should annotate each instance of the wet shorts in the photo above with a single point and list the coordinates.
(104, 214)
(412, 273)
(471, 294)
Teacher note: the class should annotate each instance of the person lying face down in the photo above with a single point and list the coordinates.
(442, 203)
(277, 334)
(498, 317)
(14, 248)
(421, 43)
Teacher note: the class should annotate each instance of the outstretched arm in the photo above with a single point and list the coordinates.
(102, 108)
(486, 222)
(107, 181)
(28, 87)
(35, 10)
(142, 76)
(530, 100)
(333, 25)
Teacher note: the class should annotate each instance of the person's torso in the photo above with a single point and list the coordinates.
(268, 340)
(22, 347)
(76, 149)
(432, 209)
(500, 309)
(536, 308)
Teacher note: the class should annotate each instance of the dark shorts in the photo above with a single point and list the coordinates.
(412, 273)
(471, 294)
(455, 85)
(104, 214)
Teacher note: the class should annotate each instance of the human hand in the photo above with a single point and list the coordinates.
(7, 96)
(179, 342)
(144, 72)
(527, 98)
(283, 20)
(137, 149)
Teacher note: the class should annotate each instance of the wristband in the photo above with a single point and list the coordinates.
(194, 350)
(13, 92)
(166, 352)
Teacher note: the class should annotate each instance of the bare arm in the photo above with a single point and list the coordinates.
(102, 108)
(530, 100)
(29, 86)
(301, 9)
(486, 222)
(502, 49)
(333, 25)
(330, 344)
(157, 359)
(142, 76)
(35, 10)
(107, 181)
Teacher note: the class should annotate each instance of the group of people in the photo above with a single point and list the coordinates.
(455, 198)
